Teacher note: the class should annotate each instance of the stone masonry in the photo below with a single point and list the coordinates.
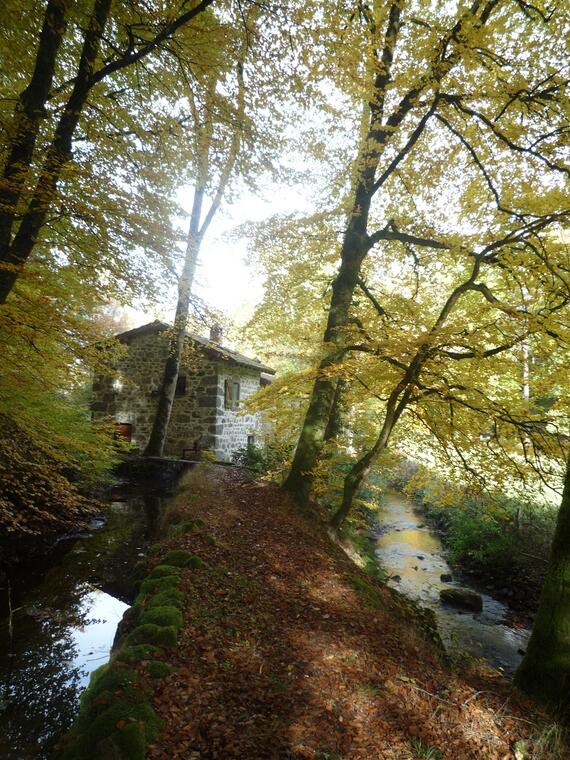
(200, 418)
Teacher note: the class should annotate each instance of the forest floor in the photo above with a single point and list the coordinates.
(290, 651)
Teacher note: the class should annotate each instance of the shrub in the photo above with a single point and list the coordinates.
(481, 535)
(252, 457)
(271, 458)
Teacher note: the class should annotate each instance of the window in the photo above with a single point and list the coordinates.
(180, 386)
(231, 393)
(251, 440)
(124, 431)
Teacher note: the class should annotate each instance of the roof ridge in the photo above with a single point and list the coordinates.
(224, 351)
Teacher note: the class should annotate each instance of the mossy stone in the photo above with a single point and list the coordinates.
(160, 571)
(189, 523)
(169, 598)
(105, 681)
(97, 674)
(177, 558)
(162, 616)
(137, 653)
(116, 676)
(132, 741)
(92, 739)
(158, 669)
(131, 615)
(186, 526)
(159, 635)
(155, 585)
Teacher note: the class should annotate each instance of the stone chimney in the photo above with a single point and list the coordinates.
(216, 333)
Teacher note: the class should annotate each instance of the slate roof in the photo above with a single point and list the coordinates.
(221, 352)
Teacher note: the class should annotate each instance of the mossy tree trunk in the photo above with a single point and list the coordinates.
(545, 670)
(312, 434)
(335, 422)
(17, 252)
(29, 113)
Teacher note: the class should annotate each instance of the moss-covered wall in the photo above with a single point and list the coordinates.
(116, 718)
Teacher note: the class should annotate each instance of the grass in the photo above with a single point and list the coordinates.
(552, 743)
(425, 751)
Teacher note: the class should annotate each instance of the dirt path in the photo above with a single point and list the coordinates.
(289, 651)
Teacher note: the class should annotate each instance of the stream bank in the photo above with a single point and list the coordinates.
(286, 648)
(517, 583)
(414, 558)
(58, 619)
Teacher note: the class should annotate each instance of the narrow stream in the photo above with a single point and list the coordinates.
(64, 618)
(408, 550)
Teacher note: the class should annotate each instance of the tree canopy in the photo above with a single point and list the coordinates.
(453, 163)
(419, 308)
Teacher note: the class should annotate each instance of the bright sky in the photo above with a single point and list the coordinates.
(224, 281)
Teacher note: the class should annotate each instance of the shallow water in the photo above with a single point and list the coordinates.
(63, 622)
(408, 549)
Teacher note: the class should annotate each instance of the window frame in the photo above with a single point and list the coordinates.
(232, 393)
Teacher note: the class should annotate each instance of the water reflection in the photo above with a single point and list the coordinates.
(414, 557)
(63, 624)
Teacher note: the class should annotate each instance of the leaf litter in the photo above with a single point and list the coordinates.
(281, 657)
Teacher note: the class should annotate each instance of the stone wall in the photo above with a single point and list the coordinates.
(133, 396)
(234, 426)
(198, 418)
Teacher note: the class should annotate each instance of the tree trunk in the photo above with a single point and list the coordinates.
(299, 480)
(157, 440)
(352, 483)
(58, 155)
(545, 670)
(335, 420)
(196, 232)
(15, 253)
(28, 115)
(397, 402)
(357, 241)
(355, 247)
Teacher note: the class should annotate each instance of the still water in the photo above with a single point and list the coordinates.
(408, 549)
(62, 625)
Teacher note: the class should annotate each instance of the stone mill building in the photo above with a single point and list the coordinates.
(212, 384)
